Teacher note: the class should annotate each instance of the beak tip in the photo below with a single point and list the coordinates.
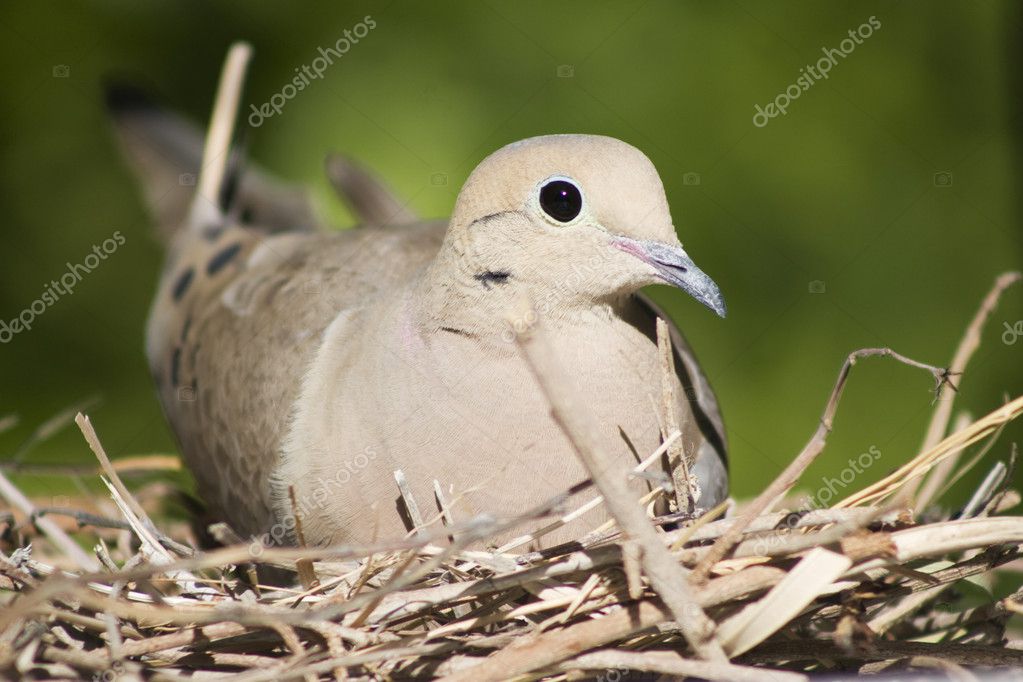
(674, 267)
(717, 304)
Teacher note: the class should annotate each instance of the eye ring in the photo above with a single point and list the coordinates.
(561, 199)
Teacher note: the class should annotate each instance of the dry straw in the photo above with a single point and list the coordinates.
(862, 586)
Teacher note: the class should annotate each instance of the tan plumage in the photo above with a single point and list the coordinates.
(321, 362)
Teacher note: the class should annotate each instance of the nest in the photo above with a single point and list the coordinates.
(880, 581)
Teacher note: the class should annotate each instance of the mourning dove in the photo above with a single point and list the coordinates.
(300, 368)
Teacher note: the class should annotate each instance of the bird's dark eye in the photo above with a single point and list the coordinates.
(561, 200)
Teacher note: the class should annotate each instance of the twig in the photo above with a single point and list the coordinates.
(988, 489)
(410, 501)
(473, 614)
(881, 650)
(939, 474)
(956, 536)
(97, 448)
(678, 463)
(762, 618)
(671, 663)
(82, 518)
(923, 462)
(55, 533)
(795, 469)
(205, 206)
(959, 470)
(442, 504)
(953, 671)
(384, 653)
(304, 567)
(967, 346)
(1002, 498)
(886, 617)
(539, 650)
(585, 507)
(180, 638)
(666, 576)
(141, 525)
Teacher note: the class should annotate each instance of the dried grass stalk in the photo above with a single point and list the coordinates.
(862, 586)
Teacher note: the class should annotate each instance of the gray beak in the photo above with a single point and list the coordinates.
(676, 268)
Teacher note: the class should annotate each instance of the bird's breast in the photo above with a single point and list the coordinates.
(462, 411)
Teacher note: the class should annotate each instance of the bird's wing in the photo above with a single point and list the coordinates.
(230, 348)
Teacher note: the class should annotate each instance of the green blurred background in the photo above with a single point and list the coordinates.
(893, 184)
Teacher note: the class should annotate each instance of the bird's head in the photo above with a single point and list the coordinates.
(575, 217)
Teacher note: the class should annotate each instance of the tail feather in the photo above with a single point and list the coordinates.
(164, 151)
(367, 196)
(196, 180)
